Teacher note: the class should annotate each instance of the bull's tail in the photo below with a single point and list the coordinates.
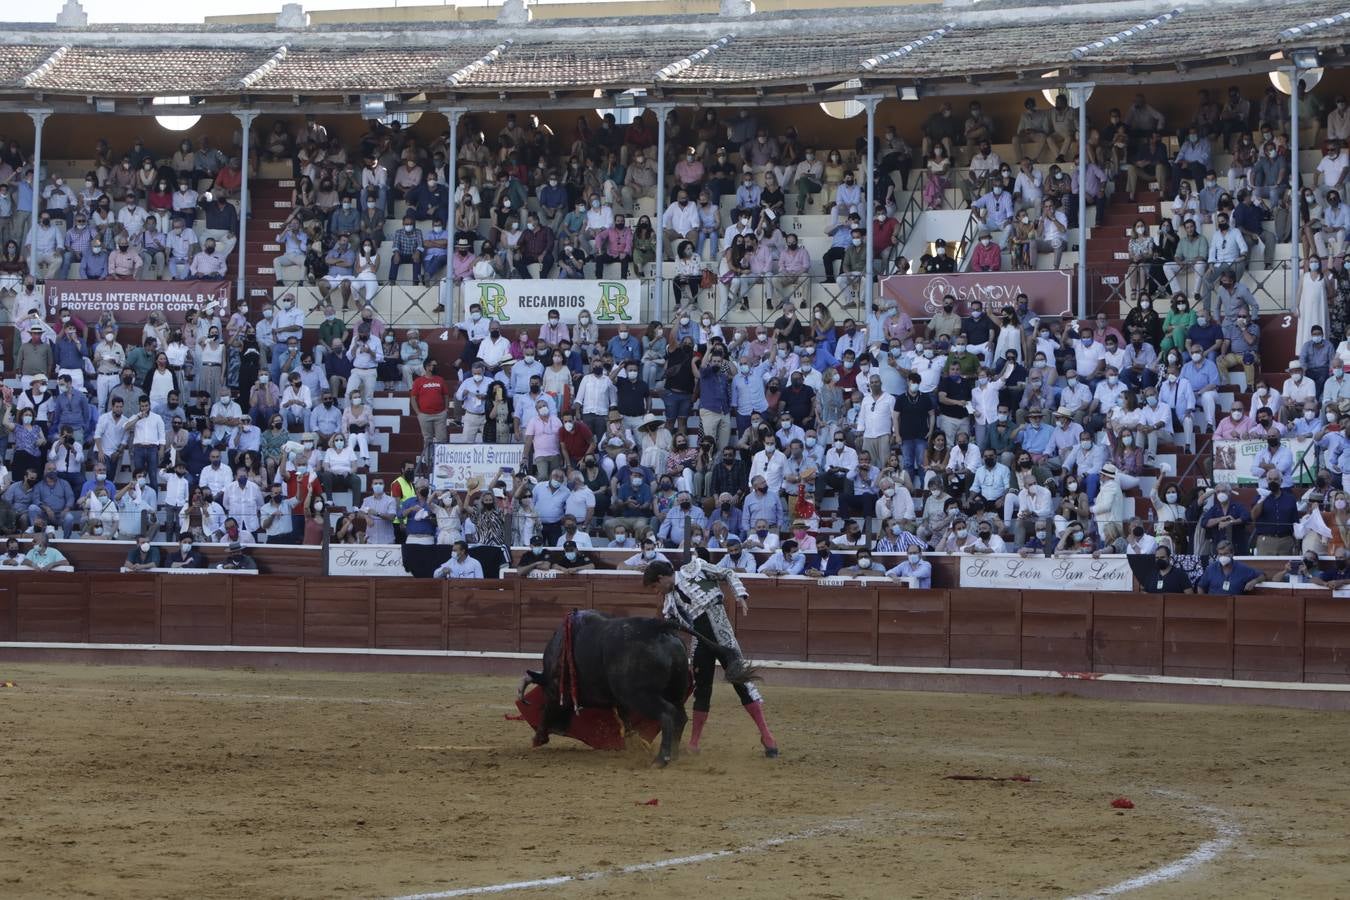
(738, 670)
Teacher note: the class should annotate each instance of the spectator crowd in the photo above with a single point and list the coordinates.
(814, 440)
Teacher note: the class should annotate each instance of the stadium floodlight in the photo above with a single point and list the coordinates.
(175, 122)
(372, 106)
(1306, 61)
(909, 92)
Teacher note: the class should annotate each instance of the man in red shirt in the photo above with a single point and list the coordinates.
(576, 439)
(430, 397)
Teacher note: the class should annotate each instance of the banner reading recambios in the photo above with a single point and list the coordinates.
(529, 301)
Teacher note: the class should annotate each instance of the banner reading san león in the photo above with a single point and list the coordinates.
(524, 301)
(1048, 292)
(1070, 573)
(133, 301)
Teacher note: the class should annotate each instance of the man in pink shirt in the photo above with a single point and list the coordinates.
(618, 248)
(987, 255)
(541, 440)
(1235, 425)
(689, 172)
(793, 266)
(762, 266)
(461, 261)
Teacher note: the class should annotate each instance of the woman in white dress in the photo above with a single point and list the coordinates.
(1313, 289)
(367, 263)
(655, 442)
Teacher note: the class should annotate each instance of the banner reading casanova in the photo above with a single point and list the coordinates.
(133, 301)
(1048, 292)
(1075, 573)
(455, 464)
(528, 301)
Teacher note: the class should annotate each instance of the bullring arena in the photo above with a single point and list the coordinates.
(323, 718)
(133, 782)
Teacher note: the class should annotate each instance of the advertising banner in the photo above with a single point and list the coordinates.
(455, 464)
(1073, 573)
(1233, 460)
(1049, 293)
(529, 301)
(366, 560)
(133, 301)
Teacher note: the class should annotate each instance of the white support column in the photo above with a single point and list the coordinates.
(1078, 96)
(245, 118)
(39, 116)
(658, 309)
(869, 102)
(452, 114)
(1295, 185)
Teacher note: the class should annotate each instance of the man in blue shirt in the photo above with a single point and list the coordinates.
(762, 505)
(1273, 517)
(550, 501)
(435, 249)
(747, 391)
(1193, 158)
(728, 514)
(679, 518)
(1227, 576)
(714, 406)
(1205, 335)
(429, 200)
(623, 346)
(54, 501)
(1203, 377)
(826, 564)
(1034, 436)
(418, 517)
(71, 408)
(552, 202)
(787, 560)
(914, 566)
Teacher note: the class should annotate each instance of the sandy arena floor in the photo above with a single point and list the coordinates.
(122, 782)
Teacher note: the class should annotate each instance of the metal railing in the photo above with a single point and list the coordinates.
(1273, 287)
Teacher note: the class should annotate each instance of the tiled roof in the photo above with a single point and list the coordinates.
(1199, 32)
(357, 69)
(601, 63)
(18, 60)
(999, 38)
(781, 57)
(149, 70)
(1032, 47)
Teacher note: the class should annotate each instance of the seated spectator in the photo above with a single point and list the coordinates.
(45, 558)
(142, 557)
(460, 564)
(786, 560)
(186, 557)
(572, 559)
(1227, 576)
(236, 559)
(914, 566)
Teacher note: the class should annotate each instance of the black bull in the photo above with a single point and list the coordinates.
(635, 665)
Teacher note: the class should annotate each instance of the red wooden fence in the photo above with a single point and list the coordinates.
(1296, 637)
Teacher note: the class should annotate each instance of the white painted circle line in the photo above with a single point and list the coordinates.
(836, 827)
(1226, 833)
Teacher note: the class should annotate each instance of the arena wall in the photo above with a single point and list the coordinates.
(1300, 637)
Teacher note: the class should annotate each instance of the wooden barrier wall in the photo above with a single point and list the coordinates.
(1296, 637)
